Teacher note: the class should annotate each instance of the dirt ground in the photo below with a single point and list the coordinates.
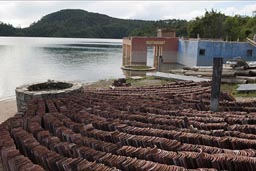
(245, 99)
(8, 109)
(134, 82)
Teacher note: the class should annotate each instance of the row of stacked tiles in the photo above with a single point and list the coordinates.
(52, 157)
(149, 128)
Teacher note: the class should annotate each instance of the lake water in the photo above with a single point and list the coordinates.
(28, 60)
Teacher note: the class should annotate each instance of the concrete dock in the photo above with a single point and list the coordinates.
(176, 77)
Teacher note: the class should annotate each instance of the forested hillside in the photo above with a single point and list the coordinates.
(83, 24)
(80, 23)
(216, 25)
(9, 30)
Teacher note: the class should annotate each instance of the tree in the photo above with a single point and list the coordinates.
(7, 30)
(208, 26)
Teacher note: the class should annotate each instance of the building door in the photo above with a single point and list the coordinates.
(150, 56)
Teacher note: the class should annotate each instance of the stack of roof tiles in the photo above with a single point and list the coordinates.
(149, 128)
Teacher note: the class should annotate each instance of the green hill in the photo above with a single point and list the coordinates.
(80, 23)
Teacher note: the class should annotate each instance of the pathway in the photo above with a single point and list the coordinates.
(176, 77)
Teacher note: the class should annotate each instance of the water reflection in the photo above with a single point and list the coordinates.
(162, 68)
(27, 60)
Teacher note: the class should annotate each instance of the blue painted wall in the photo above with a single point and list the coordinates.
(187, 52)
(227, 50)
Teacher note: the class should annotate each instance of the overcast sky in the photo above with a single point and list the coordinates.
(23, 13)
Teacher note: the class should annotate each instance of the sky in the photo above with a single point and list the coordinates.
(24, 13)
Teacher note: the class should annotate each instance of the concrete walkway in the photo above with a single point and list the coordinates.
(176, 77)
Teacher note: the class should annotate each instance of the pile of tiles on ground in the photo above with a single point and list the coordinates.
(150, 128)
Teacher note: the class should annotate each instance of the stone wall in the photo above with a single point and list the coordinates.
(24, 95)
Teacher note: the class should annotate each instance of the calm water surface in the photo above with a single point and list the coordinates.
(28, 60)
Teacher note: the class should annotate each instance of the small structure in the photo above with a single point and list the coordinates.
(165, 49)
(166, 32)
(45, 90)
(190, 52)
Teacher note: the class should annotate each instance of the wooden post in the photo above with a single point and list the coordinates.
(216, 81)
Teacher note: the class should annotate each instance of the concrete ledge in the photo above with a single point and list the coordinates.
(246, 87)
(130, 68)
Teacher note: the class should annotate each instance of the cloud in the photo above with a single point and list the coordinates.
(23, 13)
(244, 10)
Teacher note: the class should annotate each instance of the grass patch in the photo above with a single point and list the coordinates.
(144, 81)
(100, 84)
(231, 89)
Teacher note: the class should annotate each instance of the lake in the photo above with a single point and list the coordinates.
(28, 60)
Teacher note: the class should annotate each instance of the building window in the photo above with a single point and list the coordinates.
(249, 52)
(202, 52)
